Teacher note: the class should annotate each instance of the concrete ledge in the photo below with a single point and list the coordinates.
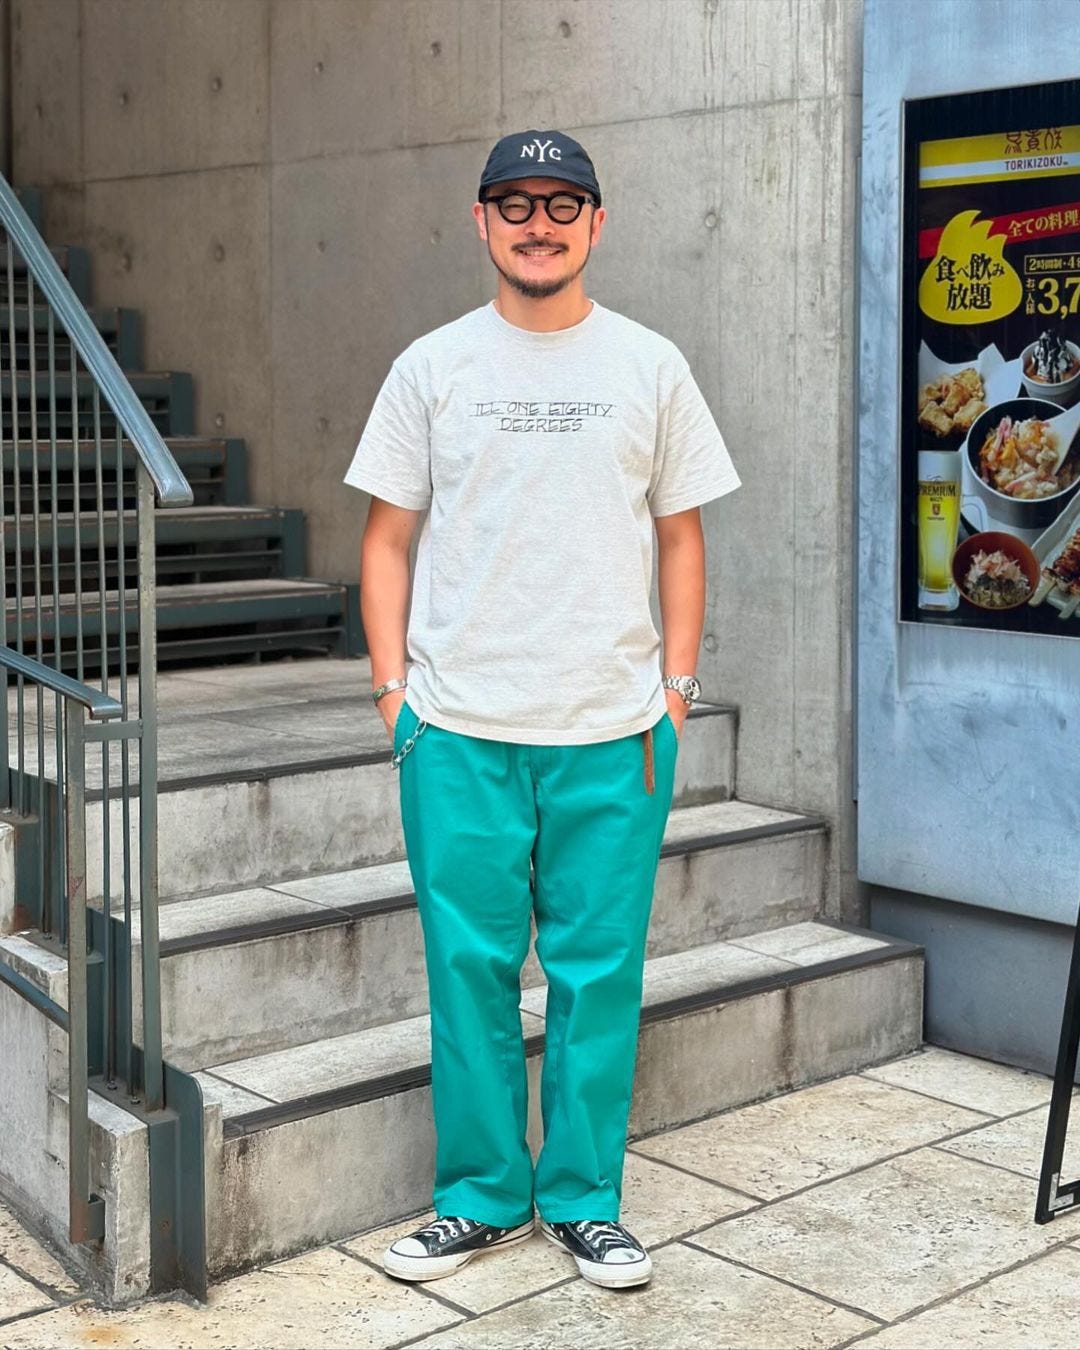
(794, 1033)
(257, 825)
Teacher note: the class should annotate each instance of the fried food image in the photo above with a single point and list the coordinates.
(964, 416)
(952, 403)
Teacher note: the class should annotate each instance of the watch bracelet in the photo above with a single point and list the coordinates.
(670, 682)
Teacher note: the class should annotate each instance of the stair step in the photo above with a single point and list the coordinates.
(168, 397)
(119, 327)
(283, 771)
(74, 262)
(722, 1024)
(267, 614)
(266, 968)
(188, 532)
(215, 467)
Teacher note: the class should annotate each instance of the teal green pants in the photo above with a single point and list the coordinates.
(475, 812)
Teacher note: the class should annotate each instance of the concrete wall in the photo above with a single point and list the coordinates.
(284, 189)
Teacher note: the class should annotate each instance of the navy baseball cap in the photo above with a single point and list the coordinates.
(539, 154)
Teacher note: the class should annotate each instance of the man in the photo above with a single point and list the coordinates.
(546, 437)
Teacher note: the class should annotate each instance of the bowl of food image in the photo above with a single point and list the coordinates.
(1051, 368)
(1024, 460)
(993, 570)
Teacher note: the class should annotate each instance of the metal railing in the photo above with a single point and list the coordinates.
(83, 468)
(86, 1210)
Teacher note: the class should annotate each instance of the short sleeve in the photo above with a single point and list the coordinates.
(692, 465)
(393, 458)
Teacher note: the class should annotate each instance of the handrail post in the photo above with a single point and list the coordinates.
(153, 1085)
(87, 1211)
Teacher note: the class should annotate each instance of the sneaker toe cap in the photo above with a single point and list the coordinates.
(623, 1257)
(409, 1246)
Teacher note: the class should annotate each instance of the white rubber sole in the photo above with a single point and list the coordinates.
(418, 1268)
(634, 1272)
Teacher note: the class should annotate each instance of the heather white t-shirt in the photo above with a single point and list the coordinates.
(541, 459)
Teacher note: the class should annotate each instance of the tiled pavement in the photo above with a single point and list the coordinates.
(889, 1208)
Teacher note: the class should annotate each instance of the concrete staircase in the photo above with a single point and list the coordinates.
(293, 981)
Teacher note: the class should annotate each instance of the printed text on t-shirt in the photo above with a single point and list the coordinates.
(540, 414)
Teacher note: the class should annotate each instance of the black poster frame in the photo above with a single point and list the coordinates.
(945, 117)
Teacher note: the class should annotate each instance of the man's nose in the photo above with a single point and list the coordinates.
(540, 223)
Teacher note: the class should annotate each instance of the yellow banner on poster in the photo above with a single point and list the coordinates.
(1043, 152)
(968, 279)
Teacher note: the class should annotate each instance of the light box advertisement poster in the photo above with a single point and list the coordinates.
(990, 401)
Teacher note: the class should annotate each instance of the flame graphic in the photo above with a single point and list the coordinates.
(968, 280)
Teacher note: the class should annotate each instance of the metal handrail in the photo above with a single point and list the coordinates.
(47, 628)
(172, 487)
(100, 706)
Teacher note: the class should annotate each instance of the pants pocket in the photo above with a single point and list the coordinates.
(399, 723)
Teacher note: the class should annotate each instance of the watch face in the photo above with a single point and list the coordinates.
(693, 688)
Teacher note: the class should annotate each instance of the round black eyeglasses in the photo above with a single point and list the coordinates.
(562, 207)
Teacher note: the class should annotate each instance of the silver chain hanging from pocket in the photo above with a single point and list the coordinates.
(407, 744)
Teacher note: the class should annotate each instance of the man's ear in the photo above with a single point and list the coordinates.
(481, 219)
(599, 216)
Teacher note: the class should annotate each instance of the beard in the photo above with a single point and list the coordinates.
(539, 290)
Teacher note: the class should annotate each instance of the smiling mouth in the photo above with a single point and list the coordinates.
(539, 252)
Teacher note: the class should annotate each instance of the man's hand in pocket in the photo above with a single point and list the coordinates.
(389, 706)
(677, 709)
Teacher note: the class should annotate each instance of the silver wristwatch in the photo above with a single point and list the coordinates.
(686, 685)
(387, 688)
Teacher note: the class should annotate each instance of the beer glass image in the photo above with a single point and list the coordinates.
(939, 522)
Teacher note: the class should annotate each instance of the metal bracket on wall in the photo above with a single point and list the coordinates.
(1054, 1198)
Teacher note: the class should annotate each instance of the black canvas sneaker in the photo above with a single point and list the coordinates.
(605, 1252)
(446, 1245)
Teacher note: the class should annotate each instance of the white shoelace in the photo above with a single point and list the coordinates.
(445, 1229)
(605, 1236)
